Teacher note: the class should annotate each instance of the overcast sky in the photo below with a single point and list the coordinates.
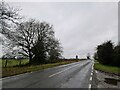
(79, 26)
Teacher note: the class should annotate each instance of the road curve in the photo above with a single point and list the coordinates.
(74, 75)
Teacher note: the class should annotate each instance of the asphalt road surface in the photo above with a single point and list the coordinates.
(75, 75)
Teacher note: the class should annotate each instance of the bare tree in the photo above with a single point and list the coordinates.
(9, 14)
(55, 50)
(41, 46)
(9, 18)
(32, 38)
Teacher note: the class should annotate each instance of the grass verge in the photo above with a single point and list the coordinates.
(13, 62)
(109, 69)
(10, 71)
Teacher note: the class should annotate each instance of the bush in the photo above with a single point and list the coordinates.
(105, 53)
(116, 54)
(108, 54)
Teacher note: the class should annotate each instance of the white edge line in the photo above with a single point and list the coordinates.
(89, 86)
(90, 78)
(92, 66)
(96, 71)
(91, 73)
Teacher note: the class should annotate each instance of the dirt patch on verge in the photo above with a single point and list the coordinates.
(107, 80)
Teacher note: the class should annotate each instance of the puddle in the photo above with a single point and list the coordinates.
(112, 81)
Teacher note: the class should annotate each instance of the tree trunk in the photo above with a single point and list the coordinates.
(6, 63)
(30, 58)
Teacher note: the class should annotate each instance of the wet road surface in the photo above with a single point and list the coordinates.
(75, 75)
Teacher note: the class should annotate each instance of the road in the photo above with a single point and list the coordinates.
(75, 75)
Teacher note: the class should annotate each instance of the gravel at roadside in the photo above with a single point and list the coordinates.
(102, 83)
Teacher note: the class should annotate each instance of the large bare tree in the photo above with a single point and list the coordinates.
(34, 40)
(31, 38)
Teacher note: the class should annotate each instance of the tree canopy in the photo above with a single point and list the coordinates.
(108, 54)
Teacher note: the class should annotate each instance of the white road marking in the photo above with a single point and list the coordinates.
(96, 71)
(92, 66)
(90, 78)
(89, 86)
(91, 73)
(68, 64)
(63, 70)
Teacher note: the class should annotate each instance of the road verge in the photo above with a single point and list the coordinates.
(10, 71)
(107, 69)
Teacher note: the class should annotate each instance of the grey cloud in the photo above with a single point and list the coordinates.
(79, 26)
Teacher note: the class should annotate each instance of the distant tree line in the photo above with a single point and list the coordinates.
(108, 54)
(29, 38)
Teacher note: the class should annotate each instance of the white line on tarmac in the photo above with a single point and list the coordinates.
(62, 71)
(92, 66)
(91, 73)
(90, 78)
(89, 86)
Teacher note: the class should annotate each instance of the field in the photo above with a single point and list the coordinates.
(12, 69)
(13, 62)
(105, 68)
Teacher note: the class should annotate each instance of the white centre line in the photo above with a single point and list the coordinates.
(63, 70)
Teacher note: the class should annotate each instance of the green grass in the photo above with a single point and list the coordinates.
(13, 62)
(106, 68)
(0, 62)
(9, 71)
